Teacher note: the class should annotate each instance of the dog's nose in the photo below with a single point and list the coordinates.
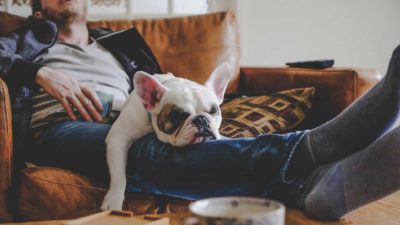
(207, 134)
(201, 121)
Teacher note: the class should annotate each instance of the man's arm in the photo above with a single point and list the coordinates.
(14, 69)
(69, 92)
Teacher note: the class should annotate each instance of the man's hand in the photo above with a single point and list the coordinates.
(70, 93)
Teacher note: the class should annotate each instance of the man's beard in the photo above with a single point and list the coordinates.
(64, 18)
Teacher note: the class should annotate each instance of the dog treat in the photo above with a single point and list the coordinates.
(117, 218)
(121, 213)
(152, 217)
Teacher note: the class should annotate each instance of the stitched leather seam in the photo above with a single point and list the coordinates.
(71, 184)
(309, 71)
(260, 71)
(87, 187)
(52, 181)
(62, 182)
(202, 50)
(7, 145)
(65, 183)
(354, 73)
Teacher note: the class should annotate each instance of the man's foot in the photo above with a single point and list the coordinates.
(335, 189)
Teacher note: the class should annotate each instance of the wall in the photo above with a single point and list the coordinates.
(125, 9)
(357, 33)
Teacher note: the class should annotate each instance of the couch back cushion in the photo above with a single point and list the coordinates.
(10, 22)
(188, 46)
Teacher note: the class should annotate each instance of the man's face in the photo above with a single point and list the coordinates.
(63, 11)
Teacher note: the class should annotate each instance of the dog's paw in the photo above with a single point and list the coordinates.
(113, 201)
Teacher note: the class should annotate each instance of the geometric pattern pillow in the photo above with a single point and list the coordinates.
(252, 116)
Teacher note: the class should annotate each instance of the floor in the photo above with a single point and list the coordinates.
(382, 212)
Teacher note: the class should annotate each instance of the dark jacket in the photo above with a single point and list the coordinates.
(19, 49)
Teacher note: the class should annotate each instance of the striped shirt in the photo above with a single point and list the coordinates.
(92, 65)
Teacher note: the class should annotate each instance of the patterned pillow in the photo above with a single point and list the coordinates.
(252, 116)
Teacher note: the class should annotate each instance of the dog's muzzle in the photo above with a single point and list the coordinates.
(203, 126)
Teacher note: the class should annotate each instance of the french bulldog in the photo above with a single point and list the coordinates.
(179, 111)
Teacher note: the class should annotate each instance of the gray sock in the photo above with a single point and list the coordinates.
(368, 175)
(357, 126)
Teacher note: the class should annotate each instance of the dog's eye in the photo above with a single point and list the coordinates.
(178, 115)
(213, 110)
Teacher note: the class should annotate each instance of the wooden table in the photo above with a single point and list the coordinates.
(385, 212)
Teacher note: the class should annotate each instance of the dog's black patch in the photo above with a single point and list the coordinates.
(171, 118)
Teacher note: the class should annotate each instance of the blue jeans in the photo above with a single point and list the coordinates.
(244, 166)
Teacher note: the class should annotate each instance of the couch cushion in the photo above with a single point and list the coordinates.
(6, 154)
(10, 22)
(190, 46)
(50, 193)
(336, 88)
(265, 114)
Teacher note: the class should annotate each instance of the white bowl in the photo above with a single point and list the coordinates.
(238, 210)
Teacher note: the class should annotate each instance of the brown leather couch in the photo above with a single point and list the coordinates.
(191, 46)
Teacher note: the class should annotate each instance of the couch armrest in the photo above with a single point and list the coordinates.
(6, 157)
(336, 88)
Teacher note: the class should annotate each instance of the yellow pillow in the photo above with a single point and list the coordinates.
(252, 116)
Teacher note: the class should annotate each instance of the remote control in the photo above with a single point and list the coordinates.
(314, 64)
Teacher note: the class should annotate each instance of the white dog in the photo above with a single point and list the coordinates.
(179, 111)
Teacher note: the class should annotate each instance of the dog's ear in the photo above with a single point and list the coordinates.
(149, 89)
(219, 79)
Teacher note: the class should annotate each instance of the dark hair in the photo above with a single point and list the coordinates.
(36, 6)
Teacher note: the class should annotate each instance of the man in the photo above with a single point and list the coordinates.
(324, 171)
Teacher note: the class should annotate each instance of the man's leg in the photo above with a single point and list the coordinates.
(246, 166)
(368, 175)
(357, 126)
(75, 145)
(223, 167)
